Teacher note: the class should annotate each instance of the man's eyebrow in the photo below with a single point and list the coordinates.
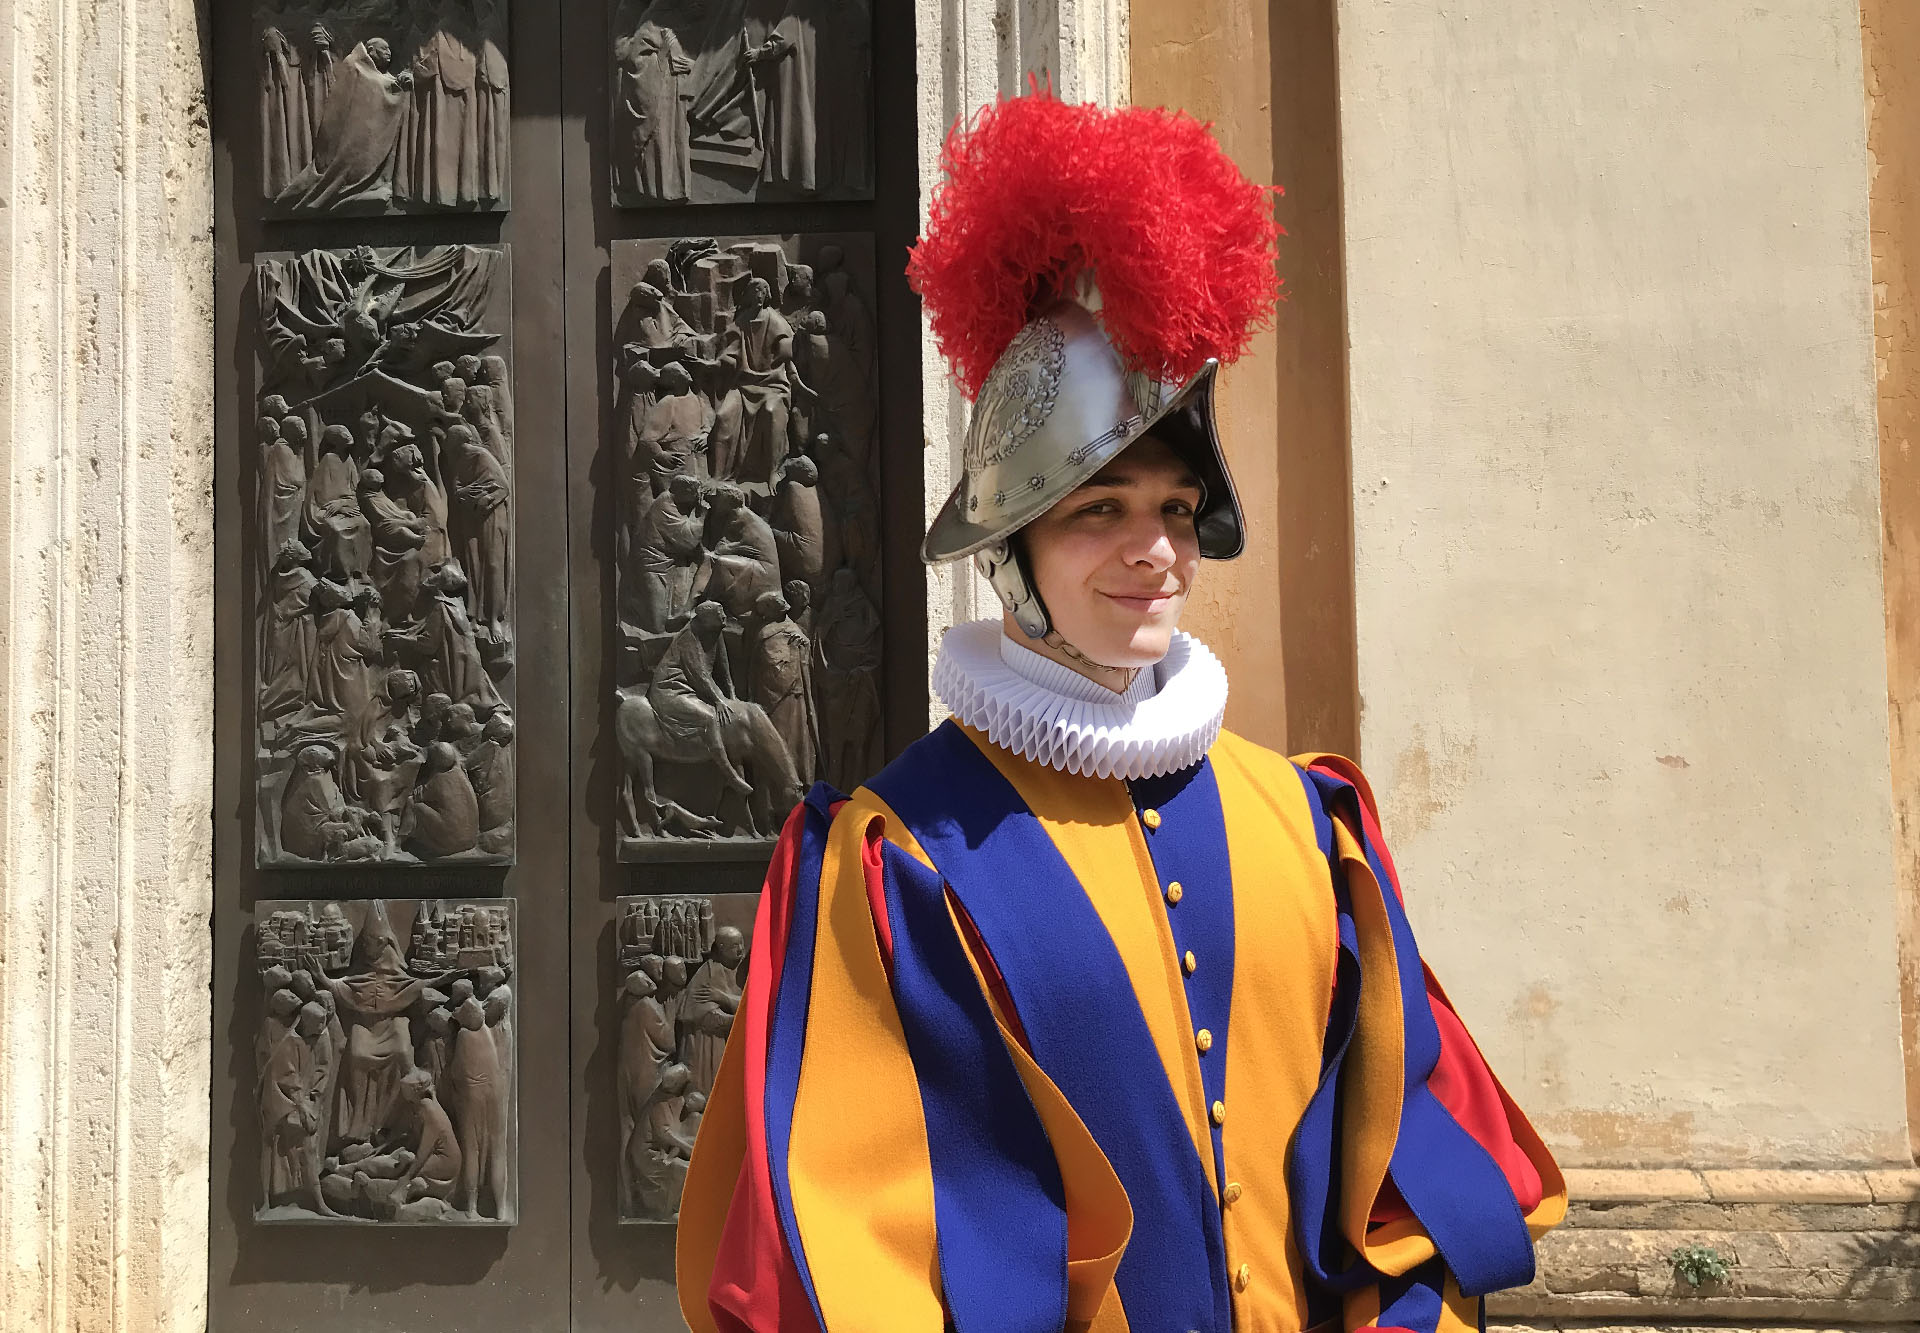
(1119, 475)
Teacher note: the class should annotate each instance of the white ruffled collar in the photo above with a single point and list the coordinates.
(1053, 715)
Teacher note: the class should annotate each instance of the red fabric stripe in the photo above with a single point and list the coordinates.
(756, 1286)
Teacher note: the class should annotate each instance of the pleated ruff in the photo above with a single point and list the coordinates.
(1050, 714)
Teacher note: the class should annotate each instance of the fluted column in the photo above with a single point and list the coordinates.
(106, 666)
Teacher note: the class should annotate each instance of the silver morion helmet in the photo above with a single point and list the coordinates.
(1057, 406)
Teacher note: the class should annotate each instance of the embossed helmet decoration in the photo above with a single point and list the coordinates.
(1086, 272)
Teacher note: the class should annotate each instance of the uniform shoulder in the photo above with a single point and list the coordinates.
(1271, 764)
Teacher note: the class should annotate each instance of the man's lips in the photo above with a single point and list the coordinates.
(1145, 603)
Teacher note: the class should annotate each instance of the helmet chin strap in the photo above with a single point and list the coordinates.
(1004, 564)
(1099, 672)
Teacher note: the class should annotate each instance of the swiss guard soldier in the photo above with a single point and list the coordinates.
(1085, 1013)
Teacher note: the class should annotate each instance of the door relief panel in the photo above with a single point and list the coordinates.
(383, 550)
(683, 961)
(730, 101)
(392, 106)
(747, 535)
(386, 1088)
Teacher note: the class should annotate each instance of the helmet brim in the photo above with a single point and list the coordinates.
(1185, 424)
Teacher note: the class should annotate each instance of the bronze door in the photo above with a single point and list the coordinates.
(567, 508)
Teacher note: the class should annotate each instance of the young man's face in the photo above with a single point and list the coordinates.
(1116, 559)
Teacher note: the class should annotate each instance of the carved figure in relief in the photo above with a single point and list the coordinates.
(399, 536)
(483, 414)
(288, 643)
(315, 820)
(373, 1002)
(355, 141)
(425, 500)
(670, 426)
(290, 1115)
(707, 1012)
(787, 69)
(453, 143)
(482, 529)
(342, 537)
(283, 491)
(743, 563)
(286, 135)
(847, 651)
(480, 1096)
(782, 681)
(491, 769)
(443, 641)
(443, 819)
(647, 1043)
(436, 1160)
(347, 646)
(659, 1169)
(652, 95)
(756, 358)
(798, 525)
(320, 69)
(690, 693)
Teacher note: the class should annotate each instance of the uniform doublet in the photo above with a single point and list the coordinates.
(1025, 1049)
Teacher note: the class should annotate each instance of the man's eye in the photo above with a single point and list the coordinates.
(1180, 508)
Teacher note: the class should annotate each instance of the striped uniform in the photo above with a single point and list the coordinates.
(1022, 1050)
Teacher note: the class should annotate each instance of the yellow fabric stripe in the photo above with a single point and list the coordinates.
(1285, 930)
(1375, 1067)
(1092, 822)
(718, 1152)
(858, 1163)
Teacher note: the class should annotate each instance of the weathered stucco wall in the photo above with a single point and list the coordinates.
(1618, 560)
(1891, 32)
(106, 666)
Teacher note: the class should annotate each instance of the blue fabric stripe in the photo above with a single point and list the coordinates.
(1452, 1184)
(787, 1031)
(1190, 847)
(1414, 1302)
(1083, 1023)
(1314, 1162)
(999, 1206)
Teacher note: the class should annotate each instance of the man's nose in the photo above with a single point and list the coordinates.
(1151, 546)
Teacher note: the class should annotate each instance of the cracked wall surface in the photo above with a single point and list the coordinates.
(1616, 525)
(106, 402)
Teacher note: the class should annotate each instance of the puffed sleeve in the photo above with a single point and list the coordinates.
(1419, 1184)
(816, 1197)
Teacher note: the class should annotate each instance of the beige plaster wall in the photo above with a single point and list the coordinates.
(106, 666)
(1616, 495)
(1891, 33)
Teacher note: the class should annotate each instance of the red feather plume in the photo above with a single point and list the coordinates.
(1038, 192)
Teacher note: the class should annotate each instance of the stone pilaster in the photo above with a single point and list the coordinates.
(971, 51)
(106, 665)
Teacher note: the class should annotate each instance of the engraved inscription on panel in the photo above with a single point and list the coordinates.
(383, 552)
(724, 101)
(747, 539)
(682, 964)
(385, 1061)
(382, 106)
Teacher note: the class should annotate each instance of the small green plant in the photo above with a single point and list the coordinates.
(1700, 1264)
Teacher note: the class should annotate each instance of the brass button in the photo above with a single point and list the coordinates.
(1233, 1192)
(1219, 1113)
(1204, 1040)
(1241, 1276)
(1190, 962)
(1151, 818)
(1174, 892)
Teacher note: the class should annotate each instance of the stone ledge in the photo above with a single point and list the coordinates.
(1806, 1247)
(1764, 1185)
